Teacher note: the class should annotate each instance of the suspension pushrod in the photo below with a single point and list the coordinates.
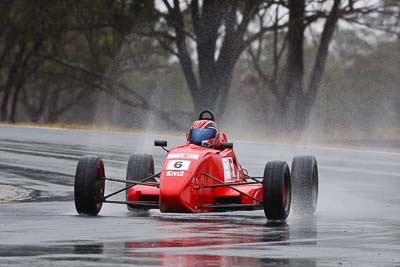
(254, 179)
(131, 181)
(221, 185)
(231, 187)
(132, 184)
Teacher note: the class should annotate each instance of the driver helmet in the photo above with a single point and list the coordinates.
(203, 133)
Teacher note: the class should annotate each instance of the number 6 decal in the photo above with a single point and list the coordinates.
(181, 165)
(178, 164)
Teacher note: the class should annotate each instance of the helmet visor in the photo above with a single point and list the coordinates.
(197, 135)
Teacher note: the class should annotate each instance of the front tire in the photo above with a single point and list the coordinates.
(139, 167)
(305, 185)
(276, 191)
(89, 186)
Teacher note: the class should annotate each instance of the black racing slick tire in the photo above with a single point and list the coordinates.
(276, 191)
(139, 167)
(304, 185)
(89, 185)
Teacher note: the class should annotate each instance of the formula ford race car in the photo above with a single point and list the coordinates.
(196, 179)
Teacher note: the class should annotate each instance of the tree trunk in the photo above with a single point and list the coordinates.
(293, 85)
(4, 104)
(14, 102)
(215, 90)
(224, 85)
(209, 89)
(322, 54)
(52, 110)
(14, 78)
(8, 90)
(299, 102)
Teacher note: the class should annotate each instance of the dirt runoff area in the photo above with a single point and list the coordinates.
(10, 193)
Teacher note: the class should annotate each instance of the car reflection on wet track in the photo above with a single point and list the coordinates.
(166, 253)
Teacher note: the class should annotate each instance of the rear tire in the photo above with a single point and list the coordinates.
(139, 167)
(89, 187)
(276, 191)
(305, 185)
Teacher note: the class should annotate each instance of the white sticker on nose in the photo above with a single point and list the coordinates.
(182, 165)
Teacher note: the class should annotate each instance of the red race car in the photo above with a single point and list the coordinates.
(201, 175)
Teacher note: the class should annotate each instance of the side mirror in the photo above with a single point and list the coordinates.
(161, 143)
(226, 145)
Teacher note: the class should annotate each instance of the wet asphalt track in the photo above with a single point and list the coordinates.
(357, 222)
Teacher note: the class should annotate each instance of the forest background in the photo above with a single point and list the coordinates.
(291, 68)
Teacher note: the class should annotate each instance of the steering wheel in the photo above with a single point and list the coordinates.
(209, 112)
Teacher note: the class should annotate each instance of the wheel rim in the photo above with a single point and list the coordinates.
(286, 192)
(315, 187)
(100, 184)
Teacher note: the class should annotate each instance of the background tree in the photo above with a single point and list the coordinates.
(208, 38)
(297, 90)
(28, 29)
(67, 47)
